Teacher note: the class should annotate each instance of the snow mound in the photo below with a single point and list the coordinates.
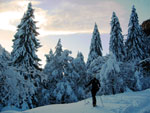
(129, 102)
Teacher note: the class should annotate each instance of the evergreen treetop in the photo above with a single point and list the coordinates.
(95, 47)
(25, 43)
(58, 48)
(134, 43)
(116, 45)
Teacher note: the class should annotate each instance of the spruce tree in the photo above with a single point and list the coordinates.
(134, 43)
(96, 66)
(111, 81)
(53, 67)
(54, 71)
(14, 90)
(61, 76)
(12, 85)
(25, 44)
(80, 78)
(24, 58)
(51, 81)
(116, 45)
(64, 91)
(95, 47)
(49, 56)
(49, 61)
(58, 48)
(79, 64)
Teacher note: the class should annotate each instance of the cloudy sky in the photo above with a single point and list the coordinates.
(70, 20)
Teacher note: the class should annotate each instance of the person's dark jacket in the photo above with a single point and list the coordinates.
(95, 84)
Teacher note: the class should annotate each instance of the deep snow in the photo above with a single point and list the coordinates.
(129, 102)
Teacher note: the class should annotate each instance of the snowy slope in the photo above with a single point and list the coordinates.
(129, 102)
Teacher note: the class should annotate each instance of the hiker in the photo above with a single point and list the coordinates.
(95, 87)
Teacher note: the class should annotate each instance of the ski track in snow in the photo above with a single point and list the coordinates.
(129, 102)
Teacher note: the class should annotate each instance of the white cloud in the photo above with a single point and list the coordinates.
(80, 15)
(11, 16)
(71, 16)
(6, 37)
(6, 18)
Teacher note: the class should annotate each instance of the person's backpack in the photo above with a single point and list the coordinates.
(97, 85)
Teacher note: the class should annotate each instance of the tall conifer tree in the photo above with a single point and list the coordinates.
(96, 46)
(134, 43)
(116, 45)
(24, 58)
(25, 44)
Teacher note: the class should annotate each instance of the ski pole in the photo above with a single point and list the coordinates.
(101, 101)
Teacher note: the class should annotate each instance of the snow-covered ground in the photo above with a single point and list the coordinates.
(129, 102)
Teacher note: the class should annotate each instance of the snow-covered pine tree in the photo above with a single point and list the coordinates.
(95, 47)
(48, 83)
(64, 92)
(56, 64)
(50, 56)
(58, 48)
(60, 71)
(110, 79)
(80, 78)
(79, 66)
(57, 72)
(139, 78)
(54, 72)
(23, 55)
(96, 66)
(134, 43)
(49, 67)
(116, 45)
(25, 43)
(65, 88)
(14, 90)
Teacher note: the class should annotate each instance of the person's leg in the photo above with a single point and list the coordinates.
(94, 98)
